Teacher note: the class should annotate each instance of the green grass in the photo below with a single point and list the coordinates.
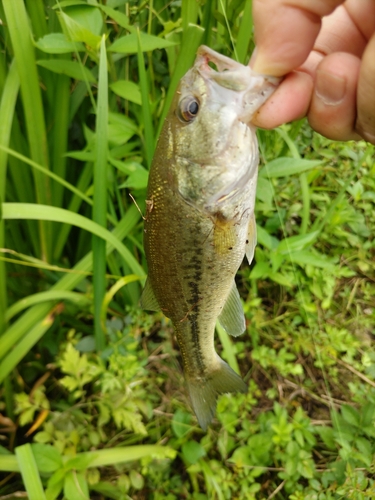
(92, 399)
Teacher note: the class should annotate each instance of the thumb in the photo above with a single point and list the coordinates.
(285, 32)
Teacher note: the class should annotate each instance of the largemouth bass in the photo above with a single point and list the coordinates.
(200, 216)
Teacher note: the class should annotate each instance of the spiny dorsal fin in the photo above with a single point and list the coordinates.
(251, 239)
(232, 318)
(148, 299)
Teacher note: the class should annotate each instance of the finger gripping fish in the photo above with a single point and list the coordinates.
(200, 216)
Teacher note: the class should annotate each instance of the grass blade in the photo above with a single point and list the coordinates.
(245, 33)
(46, 213)
(21, 37)
(146, 111)
(48, 173)
(29, 471)
(189, 47)
(8, 463)
(111, 456)
(26, 343)
(51, 295)
(7, 105)
(20, 327)
(100, 195)
(59, 139)
(229, 352)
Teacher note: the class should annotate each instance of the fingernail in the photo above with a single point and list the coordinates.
(330, 88)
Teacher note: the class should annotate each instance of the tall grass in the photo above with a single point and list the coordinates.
(85, 88)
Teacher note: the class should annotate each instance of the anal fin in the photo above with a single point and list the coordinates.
(148, 299)
(232, 318)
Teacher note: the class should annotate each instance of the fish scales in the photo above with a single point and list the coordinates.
(200, 217)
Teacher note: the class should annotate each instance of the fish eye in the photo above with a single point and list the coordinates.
(188, 109)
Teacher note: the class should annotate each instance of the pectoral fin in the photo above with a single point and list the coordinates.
(251, 239)
(148, 299)
(232, 318)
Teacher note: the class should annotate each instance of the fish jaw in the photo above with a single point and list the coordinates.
(254, 87)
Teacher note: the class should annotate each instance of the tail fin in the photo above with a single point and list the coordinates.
(204, 391)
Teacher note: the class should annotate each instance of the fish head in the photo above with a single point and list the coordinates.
(211, 134)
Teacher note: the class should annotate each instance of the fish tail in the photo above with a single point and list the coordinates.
(204, 391)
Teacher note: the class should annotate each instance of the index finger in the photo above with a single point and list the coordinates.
(285, 32)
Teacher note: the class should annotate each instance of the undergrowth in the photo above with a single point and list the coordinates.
(92, 398)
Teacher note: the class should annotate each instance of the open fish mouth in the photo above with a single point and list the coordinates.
(231, 74)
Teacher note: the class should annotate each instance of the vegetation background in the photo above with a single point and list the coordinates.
(92, 400)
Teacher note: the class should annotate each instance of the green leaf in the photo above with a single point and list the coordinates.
(264, 191)
(351, 415)
(118, 134)
(181, 423)
(8, 463)
(283, 166)
(120, 18)
(127, 90)
(75, 486)
(81, 155)
(57, 43)
(304, 257)
(193, 451)
(69, 68)
(296, 243)
(29, 472)
(81, 461)
(113, 456)
(107, 489)
(368, 414)
(136, 479)
(260, 270)
(281, 279)
(265, 239)
(327, 436)
(129, 44)
(83, 24)
(55, 484)
(69, 3)
(126, 167)
(47, 457)
(136, 180)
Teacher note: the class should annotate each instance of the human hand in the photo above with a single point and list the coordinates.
(329, 63)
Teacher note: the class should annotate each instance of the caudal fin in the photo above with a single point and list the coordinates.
(204, 391)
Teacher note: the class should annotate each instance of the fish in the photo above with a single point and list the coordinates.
(199, 222)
